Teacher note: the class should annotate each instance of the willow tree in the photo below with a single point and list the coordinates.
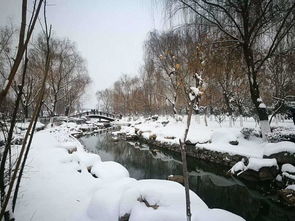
(67, 77)
(257, 27)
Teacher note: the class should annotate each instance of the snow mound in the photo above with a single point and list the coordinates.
(291, 187)
(238, 167)
(86, 159)
(273, 148)
(287, 175)
(147, 200)
(157, 200)
(253, 164)
(104, 204)
(24, 126)
(79, 196)
(279, 178)
(128, 130)
(289, 168)
(109, 170)
(68, 145)
(256, 163)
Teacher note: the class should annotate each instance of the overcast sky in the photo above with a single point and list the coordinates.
(108, 33)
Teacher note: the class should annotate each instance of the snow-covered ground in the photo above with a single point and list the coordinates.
(25, 125)
(63, 182)
(216, 136)
(18, 131)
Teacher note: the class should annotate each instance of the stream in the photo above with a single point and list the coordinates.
(206, 179)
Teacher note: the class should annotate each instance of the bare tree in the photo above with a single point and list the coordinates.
(21, 159)
(6, 51)
(164, 49)
(194, 96)
(225, 72)
(105, 99)
(67, 77)
(25, 34)
(258, 27)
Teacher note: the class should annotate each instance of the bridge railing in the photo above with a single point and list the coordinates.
(95, 112)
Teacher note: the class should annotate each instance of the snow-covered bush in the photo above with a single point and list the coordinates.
(279, 134)
(250, 132)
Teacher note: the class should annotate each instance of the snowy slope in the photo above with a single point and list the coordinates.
(57, 186)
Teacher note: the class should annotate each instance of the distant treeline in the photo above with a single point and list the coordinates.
(66, 81)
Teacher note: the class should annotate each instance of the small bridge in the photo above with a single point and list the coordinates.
(93, 113)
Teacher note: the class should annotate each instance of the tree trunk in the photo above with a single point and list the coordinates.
(254, 89)
(26, 111)
(54, 106)
(205, 117)
(241, 121)
(229, 109)
(186, 181)
(198, 118)
(261, 112)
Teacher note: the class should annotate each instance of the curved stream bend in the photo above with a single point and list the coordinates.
(207, 180)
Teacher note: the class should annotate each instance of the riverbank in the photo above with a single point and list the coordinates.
(64, 182)
(252, 158)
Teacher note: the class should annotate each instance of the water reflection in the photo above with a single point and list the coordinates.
(207, 180)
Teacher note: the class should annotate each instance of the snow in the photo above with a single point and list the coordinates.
(238, 167)
(175, 128)
(51, 183)
(279, 178)
(167, 195)
(223, 136)
(256, 164)
(291, 187)
(127, 130)
(198, 76)
(253, 164)
(126, 197)
(273, 148)
(289, 168)
(191, 96)
(58, 186)
(220, 138)
(85, 161)
(214, 137)
(24, 126)
(196, 91)
(290, 176)
(262, 105)
(105, 203)
(109, 170)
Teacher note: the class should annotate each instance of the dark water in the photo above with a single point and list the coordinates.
(207, 180)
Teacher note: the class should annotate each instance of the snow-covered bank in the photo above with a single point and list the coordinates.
(253, 159)
(24, 126)
(59, 184)
(214, 137)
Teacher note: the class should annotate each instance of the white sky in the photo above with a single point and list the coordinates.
(108, 33)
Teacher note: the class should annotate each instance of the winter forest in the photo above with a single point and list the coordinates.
(203, 129)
